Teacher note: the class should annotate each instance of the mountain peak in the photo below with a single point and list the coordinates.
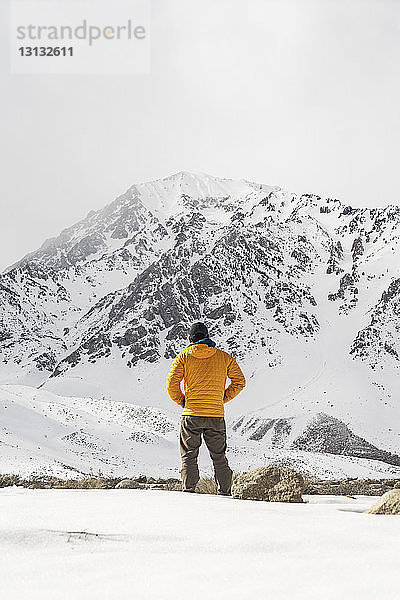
(168, 196)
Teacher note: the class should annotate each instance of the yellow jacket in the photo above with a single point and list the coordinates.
(204, 370)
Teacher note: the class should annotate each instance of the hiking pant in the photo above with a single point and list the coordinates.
(213, 430)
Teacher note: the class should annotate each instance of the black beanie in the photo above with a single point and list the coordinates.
(198, 331)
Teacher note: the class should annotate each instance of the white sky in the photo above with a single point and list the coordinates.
(299, 93)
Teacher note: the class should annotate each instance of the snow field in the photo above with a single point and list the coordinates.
(150, 544)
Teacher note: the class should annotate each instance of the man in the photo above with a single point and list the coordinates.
(204, 369)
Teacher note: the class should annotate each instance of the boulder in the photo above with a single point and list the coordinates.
(272, 484)
(206, 485)
(173, 485)
(141, 479)
(129, 484)
(388, 504)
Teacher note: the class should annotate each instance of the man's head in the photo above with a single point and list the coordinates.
(198, 331)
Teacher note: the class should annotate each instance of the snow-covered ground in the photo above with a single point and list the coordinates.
(43, 433)
(147, 544)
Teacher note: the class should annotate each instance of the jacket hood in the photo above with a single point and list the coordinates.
(201, 350)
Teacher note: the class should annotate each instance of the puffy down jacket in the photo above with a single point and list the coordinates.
(204, 370)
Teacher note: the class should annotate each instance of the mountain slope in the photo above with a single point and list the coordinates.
(41, 432)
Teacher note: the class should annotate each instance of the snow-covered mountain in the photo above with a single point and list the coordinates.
(303, 290)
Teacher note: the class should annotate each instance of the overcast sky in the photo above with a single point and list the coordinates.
(298, 93)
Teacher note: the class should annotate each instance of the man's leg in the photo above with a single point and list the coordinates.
(215, 439)
(189, 444)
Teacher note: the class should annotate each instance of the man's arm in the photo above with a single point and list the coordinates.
(174, 379)
(237, 378)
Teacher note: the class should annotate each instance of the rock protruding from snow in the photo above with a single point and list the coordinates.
(129, 484)
(388, 504)
(272, 484)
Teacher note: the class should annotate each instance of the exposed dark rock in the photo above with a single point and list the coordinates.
(85, 247)
(380, 338)
(324, 433)
(348, 210)
(130, 336)
(336, 255)
(357, 249)
(330, 435)
(119, 232)
(46, 361)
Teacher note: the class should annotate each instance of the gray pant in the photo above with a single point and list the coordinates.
(213, 430)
